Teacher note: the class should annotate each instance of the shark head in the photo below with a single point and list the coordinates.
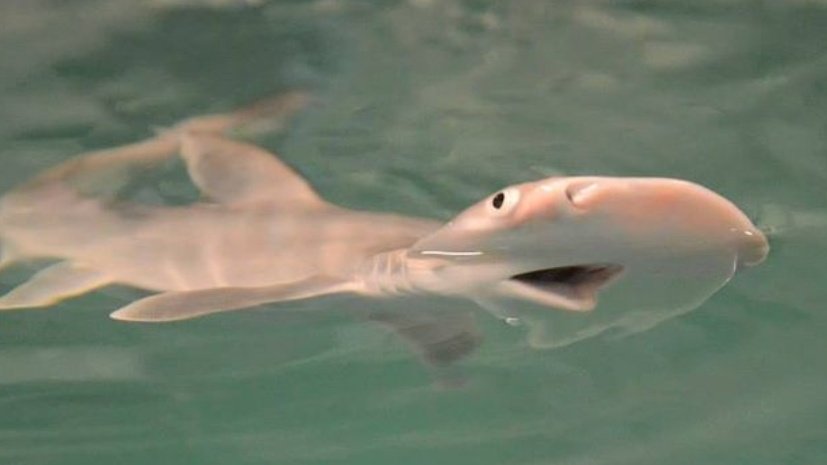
(559, 242)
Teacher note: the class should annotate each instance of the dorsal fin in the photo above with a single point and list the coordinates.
(233, 172)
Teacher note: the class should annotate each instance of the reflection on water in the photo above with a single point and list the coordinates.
(69, 364)
(426, 107)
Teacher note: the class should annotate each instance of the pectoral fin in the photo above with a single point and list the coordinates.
(53, 284)
(233, 172)
(440, 338)
(183, 305)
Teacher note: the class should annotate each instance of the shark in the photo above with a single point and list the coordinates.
(260, 234)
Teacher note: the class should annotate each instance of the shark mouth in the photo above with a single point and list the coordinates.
(567, 287)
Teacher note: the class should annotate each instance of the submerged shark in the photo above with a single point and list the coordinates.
(261, 234)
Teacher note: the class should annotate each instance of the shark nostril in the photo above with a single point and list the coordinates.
(581, 193)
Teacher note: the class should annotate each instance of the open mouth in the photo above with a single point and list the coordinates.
(569, 287)
(573, 276)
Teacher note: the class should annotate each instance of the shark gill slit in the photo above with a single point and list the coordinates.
(387, 274)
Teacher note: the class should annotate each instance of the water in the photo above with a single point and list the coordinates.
(424, 107)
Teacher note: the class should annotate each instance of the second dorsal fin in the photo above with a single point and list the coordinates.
(233, 172)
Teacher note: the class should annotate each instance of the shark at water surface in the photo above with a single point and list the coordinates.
(261, 234)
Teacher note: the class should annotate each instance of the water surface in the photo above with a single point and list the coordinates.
(424, 107)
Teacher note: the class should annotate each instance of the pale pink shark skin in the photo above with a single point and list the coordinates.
(265, 236)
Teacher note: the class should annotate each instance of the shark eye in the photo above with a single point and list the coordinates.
(504, 201)
(498, 200)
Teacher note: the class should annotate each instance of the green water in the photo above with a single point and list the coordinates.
(424, 107)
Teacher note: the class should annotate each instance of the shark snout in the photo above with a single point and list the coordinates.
(753, 247)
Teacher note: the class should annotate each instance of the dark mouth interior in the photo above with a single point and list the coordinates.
(577, 276)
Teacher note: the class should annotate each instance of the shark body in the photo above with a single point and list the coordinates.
(263, 235)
